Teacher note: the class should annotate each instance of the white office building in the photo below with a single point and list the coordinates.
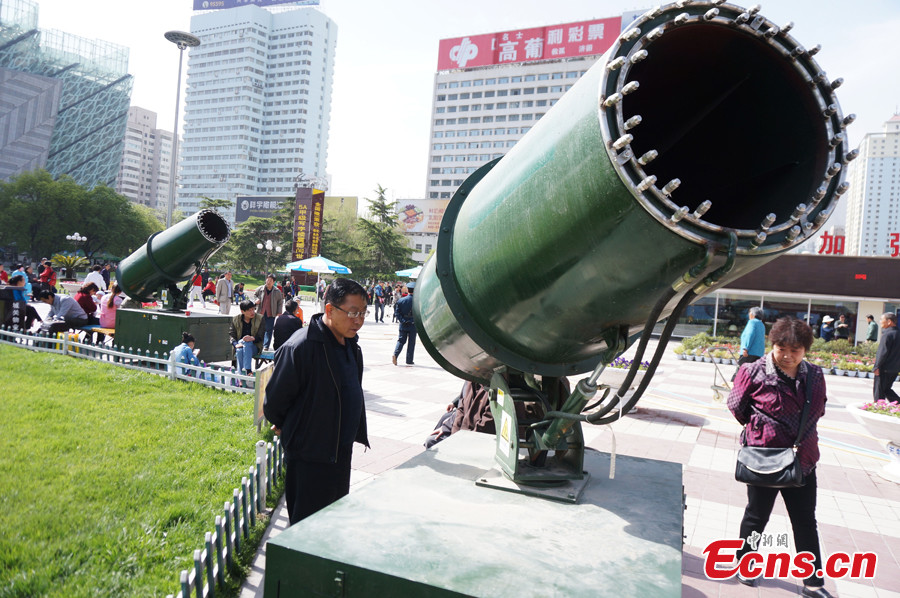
(258, 103)
(873, 200)
(146, 160)
(490, 89)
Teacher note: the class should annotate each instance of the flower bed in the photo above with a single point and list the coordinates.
(835, 357)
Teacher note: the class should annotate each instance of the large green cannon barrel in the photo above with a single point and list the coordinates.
(172, 255)
(706, 142)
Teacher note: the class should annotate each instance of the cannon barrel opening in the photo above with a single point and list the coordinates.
(732, 120)
(703, 144)
(213, 227)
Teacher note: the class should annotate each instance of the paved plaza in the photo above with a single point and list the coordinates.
(678, 420)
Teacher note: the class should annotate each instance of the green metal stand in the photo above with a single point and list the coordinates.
(425, 529)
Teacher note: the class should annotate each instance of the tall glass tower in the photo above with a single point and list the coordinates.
(77, 131)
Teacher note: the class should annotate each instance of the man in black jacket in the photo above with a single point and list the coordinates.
(287, 323)
(887, 360)
(315, 401)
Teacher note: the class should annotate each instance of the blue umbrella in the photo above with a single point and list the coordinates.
(318, 264)
(409, 272)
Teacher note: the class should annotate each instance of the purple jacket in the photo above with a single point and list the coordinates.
(770, 408)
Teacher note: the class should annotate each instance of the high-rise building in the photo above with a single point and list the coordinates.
(146, 160)
(873, 204)
(258, 103)
(489, 90)
(63, 100)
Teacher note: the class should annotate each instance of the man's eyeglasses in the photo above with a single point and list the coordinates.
(352, 314)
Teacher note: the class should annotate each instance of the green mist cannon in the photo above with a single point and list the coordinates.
(170, 256)
(706, 142)
(153, 273)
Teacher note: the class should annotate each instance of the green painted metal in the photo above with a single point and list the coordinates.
(697, 140)
(171, 256)
(518, 451)
(155, 330)
(426, 528)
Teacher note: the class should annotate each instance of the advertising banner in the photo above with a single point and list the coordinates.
(220, 4)
(258, 206)
(584, 38)
(421, 215)
(307, 223)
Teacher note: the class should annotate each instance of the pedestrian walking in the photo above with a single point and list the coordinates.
(768, 398)
(407, 327)
(887, 359)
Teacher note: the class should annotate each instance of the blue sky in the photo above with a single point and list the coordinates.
(387, 54)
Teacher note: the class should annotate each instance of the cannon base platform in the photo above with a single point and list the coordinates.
(154, 330)
(425, 529)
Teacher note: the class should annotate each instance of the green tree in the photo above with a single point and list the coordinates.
(385, 248)
(343, 241)
(111, 223)
(154, 220)
(381, 209)
(219, 205)
(36, 212)
(241, 251)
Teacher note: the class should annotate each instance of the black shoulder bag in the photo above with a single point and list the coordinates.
(774, 467)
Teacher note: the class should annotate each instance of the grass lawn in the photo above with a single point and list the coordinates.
(109, 477)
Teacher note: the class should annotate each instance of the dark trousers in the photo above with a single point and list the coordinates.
(742, 360)
(410, 336)
(379, 306)
(801, 508)
(882, 386)
(310, 487)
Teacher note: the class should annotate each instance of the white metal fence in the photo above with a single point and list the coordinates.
(233, 526)
(68, 344)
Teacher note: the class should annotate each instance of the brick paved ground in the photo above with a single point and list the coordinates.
(677, 420)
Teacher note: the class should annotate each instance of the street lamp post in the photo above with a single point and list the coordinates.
(77, 239)
(183, 40)
(269, 247)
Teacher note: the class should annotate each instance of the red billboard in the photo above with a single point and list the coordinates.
(583, 38)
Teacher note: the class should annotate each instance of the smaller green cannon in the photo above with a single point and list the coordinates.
(153, 273)
(170, 256)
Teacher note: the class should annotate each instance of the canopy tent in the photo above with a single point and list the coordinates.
(409, 272)
(319, 265)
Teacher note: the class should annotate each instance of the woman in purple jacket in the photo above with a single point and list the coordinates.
(768, 398)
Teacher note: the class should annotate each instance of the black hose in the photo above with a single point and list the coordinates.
(598, 418)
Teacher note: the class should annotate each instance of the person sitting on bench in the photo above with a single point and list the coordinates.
(20, 306)
(85, 298)
(247, 330)
(64, 313)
